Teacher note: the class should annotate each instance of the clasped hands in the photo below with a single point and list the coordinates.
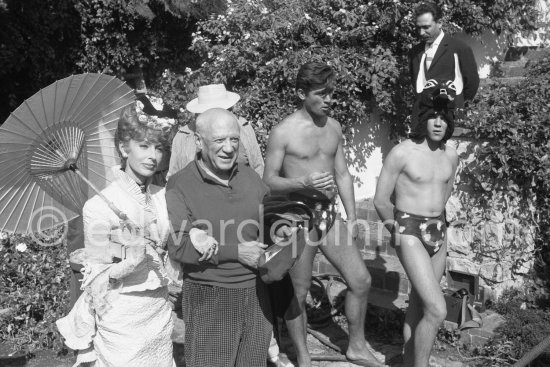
(248, 252)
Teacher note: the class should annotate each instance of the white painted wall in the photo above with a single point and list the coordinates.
(489, 46)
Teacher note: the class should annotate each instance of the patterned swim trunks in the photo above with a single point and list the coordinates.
(322, 204)
(324, 215)
(429, 230)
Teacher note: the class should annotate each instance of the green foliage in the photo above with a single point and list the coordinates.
(500, 16)
(118, 35)
(34, 284)
(107, 30)
(525, 326)
(256, 48)
(192, 8)
(513, 167)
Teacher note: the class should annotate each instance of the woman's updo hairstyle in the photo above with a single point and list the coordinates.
(133, 127)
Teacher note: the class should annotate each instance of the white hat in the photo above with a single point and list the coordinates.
(212, 96)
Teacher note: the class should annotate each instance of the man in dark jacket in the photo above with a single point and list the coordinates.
(441, 58)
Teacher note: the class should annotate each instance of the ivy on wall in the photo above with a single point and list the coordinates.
(512, 166)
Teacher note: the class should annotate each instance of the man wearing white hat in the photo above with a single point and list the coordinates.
(183, 145)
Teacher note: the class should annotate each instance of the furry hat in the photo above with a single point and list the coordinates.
(437, 99)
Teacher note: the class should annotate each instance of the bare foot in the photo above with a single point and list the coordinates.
(362, 358)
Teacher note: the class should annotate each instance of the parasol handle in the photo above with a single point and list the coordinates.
(112, 206)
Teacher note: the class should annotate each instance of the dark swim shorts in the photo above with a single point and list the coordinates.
(322, 205)
(429, 230)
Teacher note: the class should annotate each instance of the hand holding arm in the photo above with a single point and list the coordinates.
(206, 245)
(180, 245)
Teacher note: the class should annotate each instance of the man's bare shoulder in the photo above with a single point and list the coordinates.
(451, 153)
(332, 123)
(399, 155)
(289, 123)
(294, 118)
(403, 149)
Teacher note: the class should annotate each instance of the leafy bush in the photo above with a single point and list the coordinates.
(526, 325)
(34, 284)
(256, 48)
(513, 167)
(119, 37)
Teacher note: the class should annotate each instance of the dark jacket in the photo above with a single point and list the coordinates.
(443, 65)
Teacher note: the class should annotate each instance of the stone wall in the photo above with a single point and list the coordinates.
(485, 236)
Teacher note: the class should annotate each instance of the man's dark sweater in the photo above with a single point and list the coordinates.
(231, 215)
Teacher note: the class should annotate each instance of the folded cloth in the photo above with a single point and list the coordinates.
(283, 252)
(78, 327)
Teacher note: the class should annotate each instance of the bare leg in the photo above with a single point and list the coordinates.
(340, 249)
(427, 308)
(295, 316)
(412, 317)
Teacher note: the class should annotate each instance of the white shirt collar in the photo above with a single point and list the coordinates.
(437, 41)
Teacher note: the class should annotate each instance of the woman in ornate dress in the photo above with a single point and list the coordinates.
(123, 318)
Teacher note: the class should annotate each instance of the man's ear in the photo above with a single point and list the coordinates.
(198, 142)
(301, 94)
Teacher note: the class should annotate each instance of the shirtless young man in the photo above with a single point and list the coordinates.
(305, 151)
(420, 171)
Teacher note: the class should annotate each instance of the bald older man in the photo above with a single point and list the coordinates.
(225, 305)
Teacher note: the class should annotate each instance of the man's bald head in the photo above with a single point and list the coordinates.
(218, 133)
(213, 119)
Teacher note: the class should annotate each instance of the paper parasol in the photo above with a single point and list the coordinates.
(56, 147)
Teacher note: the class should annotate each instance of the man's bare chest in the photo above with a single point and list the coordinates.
(312, 145)
(424, 168)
